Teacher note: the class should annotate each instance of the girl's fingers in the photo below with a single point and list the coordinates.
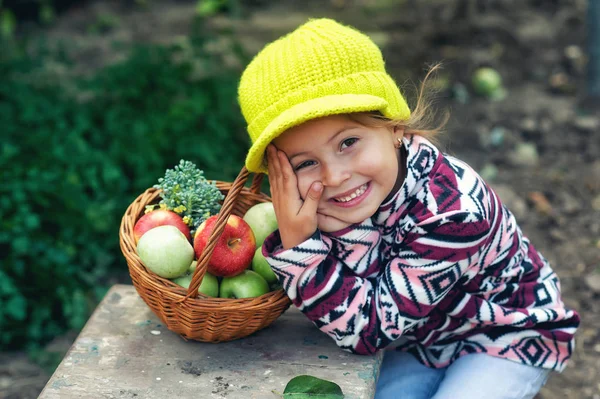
(279, 176)
(272, 161)
(288, 177)
(288, 184)
(311, 200)
(274, 171)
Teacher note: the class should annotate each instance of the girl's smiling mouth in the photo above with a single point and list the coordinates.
(353, 197)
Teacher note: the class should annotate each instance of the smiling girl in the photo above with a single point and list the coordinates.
(357, 166)
(385, 242)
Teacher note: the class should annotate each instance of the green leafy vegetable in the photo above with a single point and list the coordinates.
(187, 192)
(309, 387)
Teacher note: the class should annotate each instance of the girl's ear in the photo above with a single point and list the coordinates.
(398, 132)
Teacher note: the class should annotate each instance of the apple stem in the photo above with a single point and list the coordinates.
(234, 241)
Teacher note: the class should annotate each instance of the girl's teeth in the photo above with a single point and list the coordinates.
(359, 191)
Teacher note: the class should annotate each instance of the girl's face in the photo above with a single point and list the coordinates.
(357, 165)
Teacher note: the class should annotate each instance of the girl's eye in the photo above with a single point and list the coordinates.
(348, 142)
(304, 164)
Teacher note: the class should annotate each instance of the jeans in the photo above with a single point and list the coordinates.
(473, 376)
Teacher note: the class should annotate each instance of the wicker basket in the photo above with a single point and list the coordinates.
(192, 315)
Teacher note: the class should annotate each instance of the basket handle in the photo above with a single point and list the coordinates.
(224, 214)
(256, 182)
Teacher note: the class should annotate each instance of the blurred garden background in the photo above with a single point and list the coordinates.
(99, 98)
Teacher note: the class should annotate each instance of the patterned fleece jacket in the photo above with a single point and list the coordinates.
(442, 265)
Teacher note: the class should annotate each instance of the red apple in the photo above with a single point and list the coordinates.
(234, 250)
(160, 217)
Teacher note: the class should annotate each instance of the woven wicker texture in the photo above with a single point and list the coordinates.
(186, 312)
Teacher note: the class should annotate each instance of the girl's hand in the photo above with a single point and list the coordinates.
(297, 218)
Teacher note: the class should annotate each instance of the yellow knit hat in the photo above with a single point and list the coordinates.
(322, 68)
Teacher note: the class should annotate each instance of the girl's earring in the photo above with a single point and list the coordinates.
(398, 143)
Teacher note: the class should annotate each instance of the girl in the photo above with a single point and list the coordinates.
(386, 242)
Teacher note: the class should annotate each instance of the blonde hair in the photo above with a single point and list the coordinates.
(424, 119)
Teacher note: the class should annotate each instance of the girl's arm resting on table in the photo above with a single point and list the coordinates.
(363, 314)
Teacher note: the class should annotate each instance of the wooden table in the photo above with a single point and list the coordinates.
(124, 351)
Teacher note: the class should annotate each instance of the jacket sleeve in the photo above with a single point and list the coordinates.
(364, 300)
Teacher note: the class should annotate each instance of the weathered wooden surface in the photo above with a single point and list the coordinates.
(125, 352)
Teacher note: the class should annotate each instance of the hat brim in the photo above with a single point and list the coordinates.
(316, 108)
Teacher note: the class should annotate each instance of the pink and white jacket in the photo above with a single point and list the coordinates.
(442, 265)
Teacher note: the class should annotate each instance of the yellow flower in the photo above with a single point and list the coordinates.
(149, 208)
(164, 206)
(187, 220)
(180, 209)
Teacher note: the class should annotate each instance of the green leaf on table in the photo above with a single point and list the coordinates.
(309, 387)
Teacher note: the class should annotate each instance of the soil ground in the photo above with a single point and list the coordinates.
(537, 147)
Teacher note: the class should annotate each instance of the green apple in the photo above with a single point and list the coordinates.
(262, 267)
(487, 82)
(247, 284)
(166, 251)
(209, 285)
(193, 266)
(262, 221)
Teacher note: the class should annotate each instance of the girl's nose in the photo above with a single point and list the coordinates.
(334, 175)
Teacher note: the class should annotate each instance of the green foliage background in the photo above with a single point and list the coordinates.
(73, 158)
